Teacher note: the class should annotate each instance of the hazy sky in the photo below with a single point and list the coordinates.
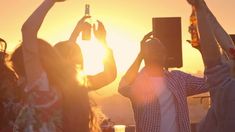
(126, 21)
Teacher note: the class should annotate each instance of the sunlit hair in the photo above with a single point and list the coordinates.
(72, 54)
(76, 107)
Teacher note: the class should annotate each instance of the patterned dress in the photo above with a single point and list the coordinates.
(10, 99)
(41, 111)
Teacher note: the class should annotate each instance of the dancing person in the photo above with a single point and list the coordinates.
(47, 81)
(10, 93)
(220, 117)
(72, 54)
(158, 96)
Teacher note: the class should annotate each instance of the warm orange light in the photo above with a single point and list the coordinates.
(93, 54)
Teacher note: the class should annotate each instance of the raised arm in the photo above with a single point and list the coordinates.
(110, 71)
(221, 35)
(132, 72)
(209, 48)
(77, 30)
(30, 47)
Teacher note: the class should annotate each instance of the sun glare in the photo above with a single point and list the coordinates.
(93, 55)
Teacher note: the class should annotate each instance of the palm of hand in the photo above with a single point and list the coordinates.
(100, 33)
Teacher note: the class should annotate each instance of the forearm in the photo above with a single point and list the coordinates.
(110, 69)
(105, 77)
(33, 23)
(30, 29)
(130, 76)
(210, 51)
(133, 70)
(75, 33)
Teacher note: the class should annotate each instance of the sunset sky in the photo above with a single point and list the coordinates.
(126, 22)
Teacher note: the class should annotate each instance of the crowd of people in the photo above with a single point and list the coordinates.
(36, 95)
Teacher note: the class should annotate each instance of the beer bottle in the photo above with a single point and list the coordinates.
(86, 33)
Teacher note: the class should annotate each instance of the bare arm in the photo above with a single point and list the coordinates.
(110, 71)
(107, 76)
(30, 47)
(130, 76)
(132, 72)
(78, 29)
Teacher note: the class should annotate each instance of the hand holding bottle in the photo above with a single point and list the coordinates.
(82, 23)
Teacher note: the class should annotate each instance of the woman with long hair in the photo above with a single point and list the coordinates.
(10, 94)
(47, 81)
(72, 54)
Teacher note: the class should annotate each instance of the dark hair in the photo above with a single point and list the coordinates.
(8, 89)
(72, 53)
(76, 108)
(3, 47)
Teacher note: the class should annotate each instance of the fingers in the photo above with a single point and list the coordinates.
(146, 37)
(101, 26)
(100, 32)
(84, 18)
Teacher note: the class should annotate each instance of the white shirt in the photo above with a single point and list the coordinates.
(168, 121)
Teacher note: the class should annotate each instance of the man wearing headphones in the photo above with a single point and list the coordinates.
(158, 96)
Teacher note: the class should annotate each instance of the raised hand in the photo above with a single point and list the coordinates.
(81, 23)
(79, 27)
(100, 33)
(146, 37)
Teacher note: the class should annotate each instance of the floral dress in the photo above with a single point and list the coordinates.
(41, 111)
(10, 99)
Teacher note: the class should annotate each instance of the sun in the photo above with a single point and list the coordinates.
(93, 56)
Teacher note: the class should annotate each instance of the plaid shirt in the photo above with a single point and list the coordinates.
(181, 85)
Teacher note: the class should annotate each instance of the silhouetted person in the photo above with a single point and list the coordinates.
(46, 80)
(10, 94)
(219, 69)
(72, 54)
(159, 97)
